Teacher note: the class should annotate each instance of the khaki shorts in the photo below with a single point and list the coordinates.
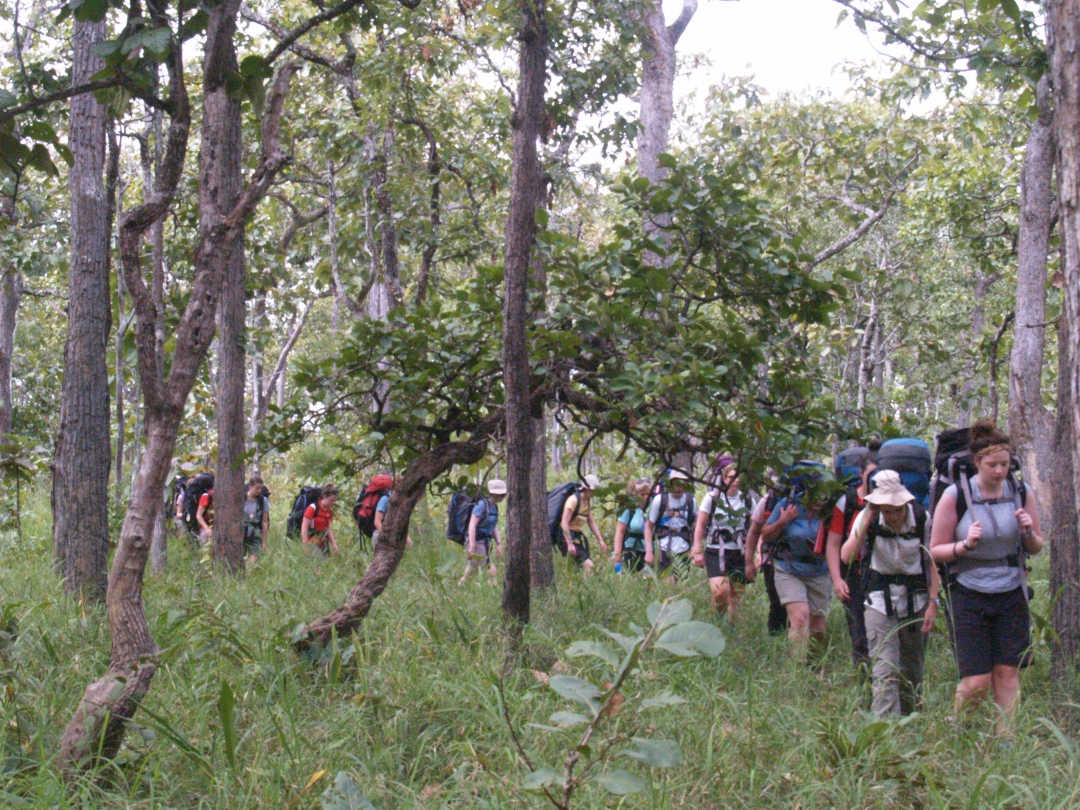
(817, 592)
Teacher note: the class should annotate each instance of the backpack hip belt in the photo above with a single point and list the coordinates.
(914, 583)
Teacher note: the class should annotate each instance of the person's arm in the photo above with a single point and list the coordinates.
(833, 541)
(200, 519)
(854, 545)
(770, 531)
(332, 539)
(1029, 525)
(650, 528)
(305, 529)
(474, 521)
(944, 547)
(697, 549)
(596, 532)
(498, 541)
(379, 520)
(932, 604)
(265, 525)
(620, 538)
(567, 516)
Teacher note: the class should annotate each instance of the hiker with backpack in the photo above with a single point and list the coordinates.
(847, 577)
(759, 558)
(576, 515)
(802, 576)
(256, 517)
(670, 521)
(381, 508)
(985, 524)
(629, 554)
(720, 537)
(204, 516)
(483, 531)
(315, 527)
(901, 587)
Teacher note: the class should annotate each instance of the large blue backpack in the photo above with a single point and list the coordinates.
(847, 464)
(912, 459)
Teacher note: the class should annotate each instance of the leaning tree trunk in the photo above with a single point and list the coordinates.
(80, 493)
(220, 165)
(97, 729)
(1031, 425)
(1063, 40)
(391, 546)
(525, 190)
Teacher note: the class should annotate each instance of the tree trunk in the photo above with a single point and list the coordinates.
(11, 285)
(1063, 39)
(657, 108)
(80, 494)
(1031, 425)
(525, 197)
(221, 162)
(344, 620)
(866, 355)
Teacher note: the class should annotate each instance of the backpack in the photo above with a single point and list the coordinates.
(368, 500)
(912, 460)
(194, 488)
(458, 514)
(847, 464)
(914, 583)
(556, 501)
(263, 502)
(305, 498)
(178, 486)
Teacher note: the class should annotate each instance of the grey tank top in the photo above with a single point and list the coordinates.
(986, 568)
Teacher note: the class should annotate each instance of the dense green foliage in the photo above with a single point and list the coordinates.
(410, 708)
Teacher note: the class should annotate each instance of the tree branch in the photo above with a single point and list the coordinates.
(676, 29)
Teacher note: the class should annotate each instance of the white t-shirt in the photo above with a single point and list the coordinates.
(726, 512)
(895, 556)
(672, 522)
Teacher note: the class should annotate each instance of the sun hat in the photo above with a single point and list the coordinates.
(496, 487)
(592, 481)
(675, 475)
(724, 461)
(889, 490)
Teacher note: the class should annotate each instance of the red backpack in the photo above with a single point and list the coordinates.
(367, 500)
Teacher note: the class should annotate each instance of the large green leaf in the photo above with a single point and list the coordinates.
(542, 778)
(692, 638)
(227, 714)
(596, 648)
(666, 699)
(672, 613)
(582, 691)
(345, 794)
(655, 753)
(621, 783)
(568, 719)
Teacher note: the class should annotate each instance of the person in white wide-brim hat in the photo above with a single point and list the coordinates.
(577, 514)
(483, 531)
(901, 591)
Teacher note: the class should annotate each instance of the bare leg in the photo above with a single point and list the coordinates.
(971, 691)
(1005, 681)
(798, 628)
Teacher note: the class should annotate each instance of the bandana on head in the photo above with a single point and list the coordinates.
(994, 448)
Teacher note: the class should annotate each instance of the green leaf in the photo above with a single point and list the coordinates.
(7, 98)
(227, 712)
(600, 650)
(626, 642)
(656, 753)
(692, 638)
(666, 699)
(621, 783)
(577, 689)
(256, 66)
(568, 719)
(157, 41)
(89, 10)
(345, 794)
(543, 778)
(40, 160)
(672, 613)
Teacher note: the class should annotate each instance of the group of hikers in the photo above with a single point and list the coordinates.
(894, 532)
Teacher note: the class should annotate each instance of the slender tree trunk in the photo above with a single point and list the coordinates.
(221, 161)
(11, 286)
(1031, 425)
(259, 324)
(1063, 38)
(525, 198)
(866, 355)
(80, 494)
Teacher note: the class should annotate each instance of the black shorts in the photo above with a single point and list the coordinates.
(732, 566)
(678, 565)
(581, 547)
(987, 629)
(633, 561)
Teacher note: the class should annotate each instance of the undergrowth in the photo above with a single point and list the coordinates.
(409, 709)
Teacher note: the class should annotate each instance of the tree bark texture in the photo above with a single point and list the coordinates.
(80, 493)
(97, 728)
(11, 285)
(525, 190)
(1031, 425)
(388, 551)
(1063, 40)
(221, 161)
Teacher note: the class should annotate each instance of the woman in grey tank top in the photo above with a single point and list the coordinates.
(982, 533)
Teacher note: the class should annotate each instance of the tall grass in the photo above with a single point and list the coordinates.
(410, 707)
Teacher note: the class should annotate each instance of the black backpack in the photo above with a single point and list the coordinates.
(556, 501)
(194, 488)
(306, 497)
(458, 514)
(264, 503)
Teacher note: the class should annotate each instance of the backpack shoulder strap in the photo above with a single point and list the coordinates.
(851, 503)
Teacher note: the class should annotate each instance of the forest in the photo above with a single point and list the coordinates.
(485, 248)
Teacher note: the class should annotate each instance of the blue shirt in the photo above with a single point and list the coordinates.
(635, 529)
(489, 516)
(383, 504)
(798, 537)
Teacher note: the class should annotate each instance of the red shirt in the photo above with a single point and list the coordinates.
(320, 519)
(206, 502)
